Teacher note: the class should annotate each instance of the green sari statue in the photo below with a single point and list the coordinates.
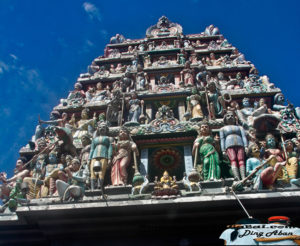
(209, 157)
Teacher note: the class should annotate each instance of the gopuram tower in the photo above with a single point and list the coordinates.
(153, 143)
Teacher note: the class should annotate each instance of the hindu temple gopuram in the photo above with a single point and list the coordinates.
(158, 141)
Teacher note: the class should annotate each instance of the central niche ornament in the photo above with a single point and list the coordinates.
(166, 158)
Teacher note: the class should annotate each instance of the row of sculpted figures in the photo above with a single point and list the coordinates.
(57, 169)
(255, 160)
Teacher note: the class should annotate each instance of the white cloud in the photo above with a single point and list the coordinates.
(3, 67)
(92, 11)
(13, 56)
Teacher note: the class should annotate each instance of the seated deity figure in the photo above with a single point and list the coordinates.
(53, 171)
(100, 93)
(279, 101)
(187, 74)
(122, 157)
(100, 156)
(212, 61)
(102, 72)
(275, 170)
(233, 143)
(75, 97)
(237, 57)
(20, 172)
(252, 163)
(119, 68)
(213, 45)
(166, 186)
(75, 187)
(248, 114)
(89, 94)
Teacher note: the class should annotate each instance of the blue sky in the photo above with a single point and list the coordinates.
(45, 45)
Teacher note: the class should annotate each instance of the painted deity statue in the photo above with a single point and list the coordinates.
(100, 156)
(141, 78)
(134, 106)
(187, 74)
(100, 93)
(122, 158)
(166, 186)
(194, 105)
(292, 163)
(75, 187)
(75, 97)
(37, 175)
(275, 171)
(54, 171)
(209, 157)
(233, 143)
(84, 126)
(216, 105)
(252, 162)
(114, 108)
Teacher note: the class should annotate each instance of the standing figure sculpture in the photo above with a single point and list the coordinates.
(233, 143)
(194, 109)
(209, 157)
(215, 102)
(187, 74)
(122, 158)
(100, 156)
(135, 107)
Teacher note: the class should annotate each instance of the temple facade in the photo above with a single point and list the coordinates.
(155, 144)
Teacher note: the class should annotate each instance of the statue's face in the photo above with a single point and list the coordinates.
(271, 143)
(99, 86)
(230, 119)
(102, 130)
(255, 150)
(289, 146)
(204, 129)
(19, 164)
(85, 141)
(246, 103)
(220, 76)
(123, 134)
(261, 102)
(84, 114)
(75, 165)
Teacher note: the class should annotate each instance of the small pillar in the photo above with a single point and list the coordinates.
(149, 112)
(181, 110)
(144, 162)
(188, 159)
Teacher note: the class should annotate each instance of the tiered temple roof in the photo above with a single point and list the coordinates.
(147, 131)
